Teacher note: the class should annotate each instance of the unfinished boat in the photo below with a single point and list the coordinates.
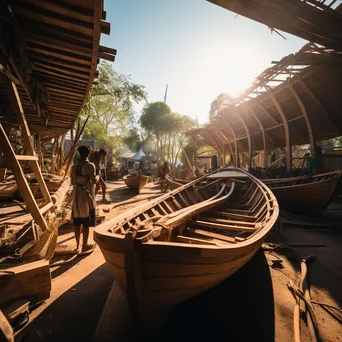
(135, 182)
(308, 195)
(186, 241)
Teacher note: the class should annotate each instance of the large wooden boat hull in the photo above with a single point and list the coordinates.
(308, 195)
(305, 195)
(136, 182)
(158, 274)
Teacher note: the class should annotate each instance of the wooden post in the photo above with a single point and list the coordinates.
(287, 131)
(187, 159)
(224, 155)
(39, 150)
(237, 157)
(195, 151)
(3, 171)
(308, 123)
(232, 158)
(248, 138)
(263, 135)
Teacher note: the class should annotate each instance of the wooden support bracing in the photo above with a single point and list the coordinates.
(315, 99)
(287, 132)
(307, 120)
(262, 129)
(23, 185)
(19, 112)
(248, 138)
(12, 161)
(229, 144)
(237, 157)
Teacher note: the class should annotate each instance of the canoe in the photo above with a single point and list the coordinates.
(135, 182)
(308, 195)
(185, 242)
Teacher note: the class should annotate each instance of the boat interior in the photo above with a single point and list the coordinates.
(216, 211)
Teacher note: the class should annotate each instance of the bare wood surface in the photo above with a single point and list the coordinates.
(27, 280)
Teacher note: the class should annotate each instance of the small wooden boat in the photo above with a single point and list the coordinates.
(135, 182)
(9, 189)
(308, 195)
(186, 241)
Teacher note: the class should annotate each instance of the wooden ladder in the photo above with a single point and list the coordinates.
(13, 162)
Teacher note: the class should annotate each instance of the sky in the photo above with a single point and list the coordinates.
(199, 49)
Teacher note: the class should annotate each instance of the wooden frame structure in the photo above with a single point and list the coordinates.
(49, 53)
(296, 101)
(313, 20)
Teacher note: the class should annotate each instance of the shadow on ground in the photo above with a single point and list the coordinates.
(239, 309)
(74, 315)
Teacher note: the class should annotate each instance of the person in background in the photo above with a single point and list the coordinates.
(97, 157)
(164, 170)
(83, 179)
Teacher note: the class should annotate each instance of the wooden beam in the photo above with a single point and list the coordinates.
(287, 131)
(229, 144)
(107, 50)
(107, 57)
(31, 280)
(248, 137)
(18, 109)
(315, 99)
(237, 157)
(263, 133)
(308, 122)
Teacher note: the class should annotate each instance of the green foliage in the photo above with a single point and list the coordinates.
(331, 142)
(218, 104)
(110, 107)
(165, 128)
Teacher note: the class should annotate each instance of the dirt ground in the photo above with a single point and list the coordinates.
(254, 304)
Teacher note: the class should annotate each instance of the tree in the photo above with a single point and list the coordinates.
(110, 107)
(167, 128)
(218, 104)
(155, 119)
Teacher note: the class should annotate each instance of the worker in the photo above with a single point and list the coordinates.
(83, 179)
(163, 170)
(97, 157)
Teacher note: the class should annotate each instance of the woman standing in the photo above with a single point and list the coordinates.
(83, 179)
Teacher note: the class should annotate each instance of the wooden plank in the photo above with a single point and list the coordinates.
(17, 308)
(239, 223)
(107, 50)
(28, 280)
(212, 235)
(107, 57)
(28, 144)
(25, 158)
(222, 226)
(195, 241)
(6, 329)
